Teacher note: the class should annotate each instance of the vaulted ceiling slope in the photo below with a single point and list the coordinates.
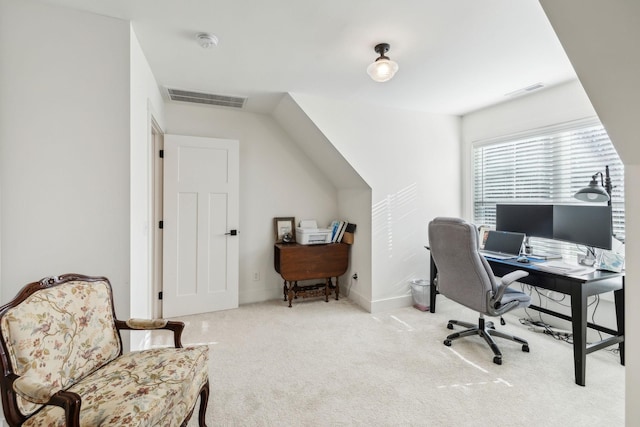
(454, 56)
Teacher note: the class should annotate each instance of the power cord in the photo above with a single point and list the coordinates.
(540, 326)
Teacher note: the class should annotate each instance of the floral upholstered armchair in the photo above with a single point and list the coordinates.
(62, 362)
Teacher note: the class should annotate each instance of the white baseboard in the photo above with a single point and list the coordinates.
(360, 300)
(249, 296)
(382, 305)
(388, 304)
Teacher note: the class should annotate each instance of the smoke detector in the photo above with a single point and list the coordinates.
(206, 40)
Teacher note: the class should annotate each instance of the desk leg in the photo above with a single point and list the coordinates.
(619, 299)
(433, 272)
(337, 287)
(579, 325)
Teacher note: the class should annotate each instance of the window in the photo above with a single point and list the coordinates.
(545, 166)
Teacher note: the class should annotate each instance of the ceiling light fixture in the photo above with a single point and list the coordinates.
(206, 40)
(382, 69)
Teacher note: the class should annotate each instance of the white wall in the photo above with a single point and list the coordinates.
(146, 105)
(64, 139)
(276, 180)
(354, 205)
(632, 295)
(146, 102)
(354, 194)
(601, 40)
(411, 161)
(559, 104)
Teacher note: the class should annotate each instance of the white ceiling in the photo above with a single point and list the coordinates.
(455, 56)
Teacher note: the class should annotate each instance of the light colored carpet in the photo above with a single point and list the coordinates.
(333, 364)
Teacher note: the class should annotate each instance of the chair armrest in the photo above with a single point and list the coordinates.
(514, 276)
(34, 391)
(146, 323)
(505, 282)
(153, 324)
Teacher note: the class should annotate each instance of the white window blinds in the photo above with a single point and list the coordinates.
(545, 167)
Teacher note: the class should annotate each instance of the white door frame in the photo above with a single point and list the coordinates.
(157, 178)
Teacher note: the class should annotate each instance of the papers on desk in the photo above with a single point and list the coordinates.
(564, 268)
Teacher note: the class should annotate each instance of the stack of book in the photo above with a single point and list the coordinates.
(342, 231)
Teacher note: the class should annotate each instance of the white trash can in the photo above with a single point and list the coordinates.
(421, 293)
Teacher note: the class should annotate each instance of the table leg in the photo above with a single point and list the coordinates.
(284, 290)
(337, 287)
(433, 272)
(619, 300)
(327, 290)
(290, 293)
(579, 326)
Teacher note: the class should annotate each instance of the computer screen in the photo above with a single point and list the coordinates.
(584, 225)
(504, 242)
(532, 220)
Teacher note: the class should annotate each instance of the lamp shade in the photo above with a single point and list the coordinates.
(593, 193)
(382, 70)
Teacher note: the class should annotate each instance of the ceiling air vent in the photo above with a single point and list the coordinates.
(206, 98)
(524, 90)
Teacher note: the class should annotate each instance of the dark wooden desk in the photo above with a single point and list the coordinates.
(578, 288)
(297, 262)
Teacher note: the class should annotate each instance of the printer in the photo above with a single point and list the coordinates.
(308, 233)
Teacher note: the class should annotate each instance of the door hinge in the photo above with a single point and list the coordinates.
(161, 153)
(160, 295)
(161, 225)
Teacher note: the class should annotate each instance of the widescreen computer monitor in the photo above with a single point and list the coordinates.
(532, 220)
(583, 225)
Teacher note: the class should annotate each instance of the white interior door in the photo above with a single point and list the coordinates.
(200, 248)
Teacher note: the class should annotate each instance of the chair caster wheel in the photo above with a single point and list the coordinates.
(447, 343)
(497, 360)
(525, 348)
(449, 326)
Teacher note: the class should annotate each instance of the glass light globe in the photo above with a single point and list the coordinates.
(382, 70)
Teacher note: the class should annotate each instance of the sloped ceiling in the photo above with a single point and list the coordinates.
(454, 56)
(601, 39)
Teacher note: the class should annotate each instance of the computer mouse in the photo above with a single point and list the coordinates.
(522, 259)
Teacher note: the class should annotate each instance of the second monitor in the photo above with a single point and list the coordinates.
(579, 224)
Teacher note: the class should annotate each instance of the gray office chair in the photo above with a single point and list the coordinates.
(465, 276)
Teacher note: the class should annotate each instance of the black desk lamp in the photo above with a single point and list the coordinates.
(597, 192)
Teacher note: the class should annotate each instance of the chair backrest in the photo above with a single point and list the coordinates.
(57, 330)
(463, 274)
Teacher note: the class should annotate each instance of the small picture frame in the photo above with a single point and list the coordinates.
(482, 235)
(283, 226)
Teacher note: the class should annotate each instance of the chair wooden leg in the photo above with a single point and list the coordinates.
(204, 401)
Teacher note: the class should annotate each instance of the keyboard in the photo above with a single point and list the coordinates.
(497, 255)
(564, 268)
